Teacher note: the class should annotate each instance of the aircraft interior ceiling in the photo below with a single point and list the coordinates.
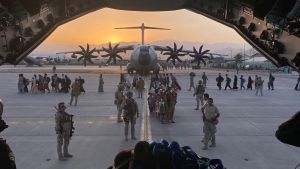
(271, 26)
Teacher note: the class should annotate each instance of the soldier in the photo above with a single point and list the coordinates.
(211, 115)
(63, 130)
(75, 92)
(199, 94)
(131, 112)
(204, 79)
(171, 107)
(7, 158)
(119, 99)
(259, 86)
(140, 86)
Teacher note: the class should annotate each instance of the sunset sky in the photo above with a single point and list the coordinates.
(97, 28)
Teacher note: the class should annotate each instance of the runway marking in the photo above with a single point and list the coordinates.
(146, 125)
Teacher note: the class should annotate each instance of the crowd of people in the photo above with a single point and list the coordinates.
(257, 83)
(162, 97)
(40, 84)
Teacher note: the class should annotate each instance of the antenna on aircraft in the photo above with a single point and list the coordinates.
(142, 27)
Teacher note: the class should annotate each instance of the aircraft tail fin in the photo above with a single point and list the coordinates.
(142, 28)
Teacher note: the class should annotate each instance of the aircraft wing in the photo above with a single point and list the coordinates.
(159, 48)
(233, 60)
(120, 48)
(30, 61)
(74, 52)
(191, 51)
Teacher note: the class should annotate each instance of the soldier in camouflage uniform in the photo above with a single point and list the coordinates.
(131, 112)
(7, 158)
(200, 89)
(63, 129)
(210, 118)
(119, 99)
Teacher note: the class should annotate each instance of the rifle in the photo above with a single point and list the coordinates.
(72, 125)
(70, 119)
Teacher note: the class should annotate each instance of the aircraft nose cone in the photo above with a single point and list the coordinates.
(144, 60)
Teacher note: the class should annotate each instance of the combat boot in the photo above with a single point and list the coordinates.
(212, 145)
(67, 155)
(61, 158)
(66, 151)
(204, 147)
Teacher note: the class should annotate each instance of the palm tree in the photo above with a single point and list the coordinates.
(199, 56)
(174, 53)
(86, 54)
(112, 53)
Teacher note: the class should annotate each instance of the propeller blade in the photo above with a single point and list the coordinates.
(204, 52)
(93, 56)
(179, 59)
(105, 50)
(115, 60)
(168, 59)
(87, 47)
(173, 61)
(82, 48)
(180, 49)
(115, 47)
(118, 56)
(109, 45)
(175, 46)
(92, 51)
(169, 48)
(109, 60)
(167, 53)
(200, 49)
(195, 51)
(80, 58)
(106, 55)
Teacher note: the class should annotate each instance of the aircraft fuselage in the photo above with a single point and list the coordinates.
(143, 59)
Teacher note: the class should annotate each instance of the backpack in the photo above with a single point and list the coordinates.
(184, 158)
(129, 107)
(200, 89)
(161, 155)
(206, 163)
(273, 78)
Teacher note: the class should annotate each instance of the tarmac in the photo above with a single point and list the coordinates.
(245, 133)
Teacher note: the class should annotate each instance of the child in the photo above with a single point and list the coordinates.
(162, 110)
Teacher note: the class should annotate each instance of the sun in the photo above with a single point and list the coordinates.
(113, 39)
